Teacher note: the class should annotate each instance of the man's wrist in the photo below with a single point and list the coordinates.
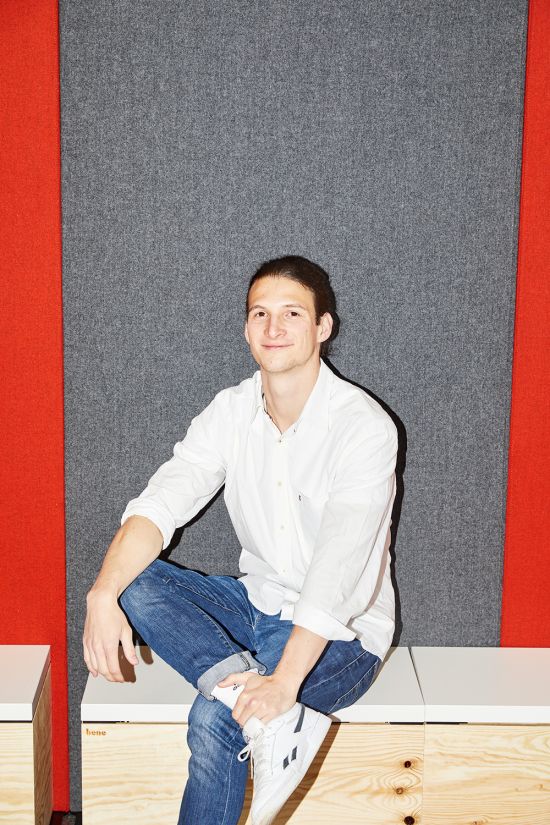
(103, 590)
(289, 677)
(300, 654)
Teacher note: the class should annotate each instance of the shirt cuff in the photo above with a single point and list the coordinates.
(320, 622)
(164, 523)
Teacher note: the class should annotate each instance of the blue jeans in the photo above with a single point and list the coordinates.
(205, 627)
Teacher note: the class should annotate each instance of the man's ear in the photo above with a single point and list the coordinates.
(246, 332)
(325, 327)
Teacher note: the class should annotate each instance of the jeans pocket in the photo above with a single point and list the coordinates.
(359, 688)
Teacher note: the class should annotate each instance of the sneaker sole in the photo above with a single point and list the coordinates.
(315, 740)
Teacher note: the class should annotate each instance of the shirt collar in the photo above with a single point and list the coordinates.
(316, 408)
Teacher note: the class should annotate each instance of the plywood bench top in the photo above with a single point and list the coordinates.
(158, 694)
(484, 684)
(23, 669)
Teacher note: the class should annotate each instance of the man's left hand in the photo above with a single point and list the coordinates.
(264, 696)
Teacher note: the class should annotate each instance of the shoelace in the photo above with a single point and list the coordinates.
(248, 750)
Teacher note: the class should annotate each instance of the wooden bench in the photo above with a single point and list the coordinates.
(487, 735)
(25, 735)
(134, 751)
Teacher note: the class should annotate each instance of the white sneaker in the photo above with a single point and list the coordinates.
(280, 754)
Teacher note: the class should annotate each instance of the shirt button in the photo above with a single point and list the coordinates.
(279, 484)
(282, 527)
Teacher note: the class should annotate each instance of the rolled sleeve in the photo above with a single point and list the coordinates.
(155, 513)
(319, 621)
(349, 550)
(182, 486)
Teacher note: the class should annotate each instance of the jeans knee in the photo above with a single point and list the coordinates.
(143, 588)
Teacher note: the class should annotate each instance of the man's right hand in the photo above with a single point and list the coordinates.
(105, 626)
(136, 544)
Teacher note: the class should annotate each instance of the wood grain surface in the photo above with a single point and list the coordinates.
(135, 774)
(487, 774)
(42, 747)
(25, 766)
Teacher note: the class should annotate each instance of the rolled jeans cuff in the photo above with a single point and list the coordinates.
(236, 663)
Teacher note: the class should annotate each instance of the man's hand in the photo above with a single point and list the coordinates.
(264, 696)
(135, 545)
(105, 625)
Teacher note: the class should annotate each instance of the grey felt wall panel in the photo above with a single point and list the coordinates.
(381, 140)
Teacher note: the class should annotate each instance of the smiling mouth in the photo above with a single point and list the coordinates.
(275, 346)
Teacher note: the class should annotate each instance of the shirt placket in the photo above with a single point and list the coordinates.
(283, 524)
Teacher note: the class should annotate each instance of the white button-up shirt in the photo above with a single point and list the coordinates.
(311, 507)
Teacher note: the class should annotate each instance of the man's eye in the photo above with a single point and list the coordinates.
(294, 313)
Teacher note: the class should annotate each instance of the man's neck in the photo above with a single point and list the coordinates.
(286, 393)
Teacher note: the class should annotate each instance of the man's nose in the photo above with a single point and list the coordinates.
(274, 327)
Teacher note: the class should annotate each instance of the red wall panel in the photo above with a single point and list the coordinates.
(526, 582)
(32, 562)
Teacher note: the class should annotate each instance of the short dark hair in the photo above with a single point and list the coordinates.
(310, 275)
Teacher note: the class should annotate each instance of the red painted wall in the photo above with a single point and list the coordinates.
(526, 582)
(32, 562)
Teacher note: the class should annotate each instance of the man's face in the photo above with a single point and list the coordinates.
(280, 326)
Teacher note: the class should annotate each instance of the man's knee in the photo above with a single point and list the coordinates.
(143, 588)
